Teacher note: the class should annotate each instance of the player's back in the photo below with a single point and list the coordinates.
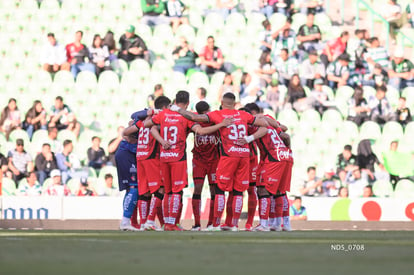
(147, 146)
(229, 135)
(174, 129)
(205, 146)
(272, 147)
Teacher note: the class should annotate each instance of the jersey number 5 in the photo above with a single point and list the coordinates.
(237, 131)
(170, 134)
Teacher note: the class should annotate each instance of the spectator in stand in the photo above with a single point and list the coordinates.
(367, 159)
(310, 6)
(174, 10)
(99, 55)
(343, 192)
(228, 87)
(110, 43)
(10, 118)
(201, 95)
(401, 71)
(346, 160)
(211, 57)
(311, 69)
(62, 117)
(108, 189)
(286, 7)
(153, 13)
(376, 54)
(30, 187)
(78, 56)
(184, 57)
(320, 98)
(338, 72)
(312, 186)
(35, 118)
(367, 192)
(393, 14)
(158, 91)
(380, 108)
(379, 77)
(63, 161)
(266, 69)
(85, 190)
(398, 164)
(359, 73)
(403, 113)
(358, 107)
(53, 56)
(96, 154)
(55, 145)
(57, 188)
(273, 96)
(335, 48)
(132, 46)
(356, 183)
(20, 162)
(297, 210)
(265, 8)
(296, 95)
(357, 47)
(225, 7)
(309, 35)
(286, 66)
(266, 37)
(45, 162)
(285, 38)
(113, 146)
(410, 13)
(4, 167)
(330, 185)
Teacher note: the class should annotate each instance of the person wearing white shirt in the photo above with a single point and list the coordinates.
(53, 56)
(392, 13)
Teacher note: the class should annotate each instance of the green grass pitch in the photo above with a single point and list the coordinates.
(300, 252)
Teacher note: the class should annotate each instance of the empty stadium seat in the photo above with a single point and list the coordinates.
(8, 187)
(370, 130)
(404, 189)
(382, 189)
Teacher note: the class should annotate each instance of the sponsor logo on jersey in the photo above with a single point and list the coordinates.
(245, 182)
(152, 183)
(171, 120)
(140, 153)
(224, 177)
(284, 155)
(142, 146)
(178, 182)
(169, 155)
(270, 179)
(206, 140)
(239, 149)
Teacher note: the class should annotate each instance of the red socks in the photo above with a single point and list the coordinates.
(272, 212)
(219, 202)
(264, 208)
(211, 213)
(196, 202)
(143, 206)
(285, 206)
(229, 209)
(252, 203)
(134, 218)
(165, 207)
(279, 206)
(155, 205)
(237, 209)
(174, 208)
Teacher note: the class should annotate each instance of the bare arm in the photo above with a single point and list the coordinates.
(156, 134)
(198, 130)
(191, 116)
(258, 134)
(130, 130)
(261, 122)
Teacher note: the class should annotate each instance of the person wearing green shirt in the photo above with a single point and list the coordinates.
(153, 13)
(184, 57)
(401, 71)
(297, 211)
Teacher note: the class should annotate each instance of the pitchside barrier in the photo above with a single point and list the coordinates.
(318, 209)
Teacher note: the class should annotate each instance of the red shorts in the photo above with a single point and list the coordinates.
(149, 176)
(253, 165)
(272, 176)
(201, 169)
(233, 173)
(174, 176)
(284, 185)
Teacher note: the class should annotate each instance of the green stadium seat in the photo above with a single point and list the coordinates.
(255, 19)
(64, 77)
(392, 130)
(344, 93)
(140, 66)
(288, 117)
(186, 31)
(370, 130)
(368, 92)
(19, 133)
(382, 189)
(109, 170)
(73, 185)
(277, 20)
(404, 189)
(8, 187)
(67, 134)
(48, 182)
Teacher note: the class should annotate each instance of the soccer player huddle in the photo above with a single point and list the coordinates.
(237, 150)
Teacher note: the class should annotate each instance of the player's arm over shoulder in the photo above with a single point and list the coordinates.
(211, 129)
(190, 115)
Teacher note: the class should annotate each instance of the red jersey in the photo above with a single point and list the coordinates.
(174, 129)
(72, 51)
(272, 148)
(147, 146)
(205, 147)
(253, 146)
(211, 54)
(230, 134)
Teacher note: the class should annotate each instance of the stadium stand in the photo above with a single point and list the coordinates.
(102, 103)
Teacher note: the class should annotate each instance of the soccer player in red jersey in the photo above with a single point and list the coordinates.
(205, 160)
(232, 173)
(174, 130)
(274, 172)
(148, 159)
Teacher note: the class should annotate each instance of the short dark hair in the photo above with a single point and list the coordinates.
(348, 147)
(368, 186)
(50, 128)
(285, 50)
(95, 137)
(344, 33)
(230, 96)
(310, 168)
(182, 97)
(202, 107)
(265, 23)
(107, 176)
(210, 36)
(297, 198)
(51, 34)
(382, 88)
(79, 31)
(252, 107)
(203, 91)
(66, 142)
(403, 98)
(161, 102)
(59, 98)
(157, 87)
(45, 144)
